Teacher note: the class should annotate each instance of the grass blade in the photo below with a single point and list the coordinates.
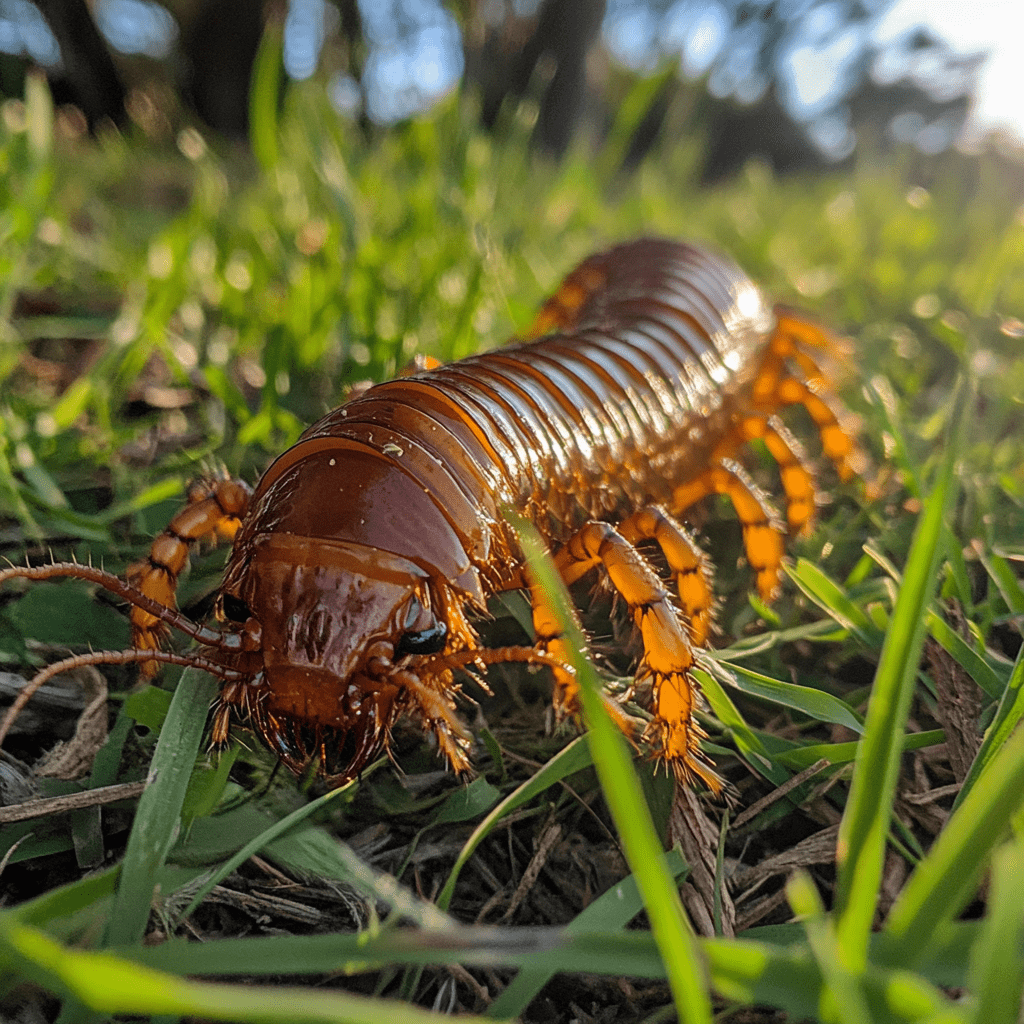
(263, 96)
(68, 900)
(609, 952)
(947, 878)
(965, 656)
(1007, 717)
(816, 704)
(832, 599)
(844, 995)
(997, 972)
(312, 851)
(1004, 578)
(111, 985)
(748, 744)
(842, 753)
(624, 795)
(865, 825)
(156, 821)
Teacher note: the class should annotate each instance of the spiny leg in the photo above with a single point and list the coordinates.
(793, 335)
(762, 531)
(795, 473)
(564, 310)
(548, 632)
(775, 385)
(432, 699)
(214, 510)
(667, 653)
(689, 566)
(836, 443)
(794, 469)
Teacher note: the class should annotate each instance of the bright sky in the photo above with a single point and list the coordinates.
(969, 26)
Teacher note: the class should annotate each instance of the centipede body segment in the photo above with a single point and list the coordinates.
(363, 552)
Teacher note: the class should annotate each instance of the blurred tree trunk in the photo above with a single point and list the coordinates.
(219, 45)
(503, 57)
(565, 31)
(88, 69)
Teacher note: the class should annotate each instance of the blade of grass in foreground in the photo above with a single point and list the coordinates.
(109, 985)
(600, 946)
(843, 995)
(996, 965)
(947, 878)
(781, 974)
(862, 834)
(156, 821)
(624, 795)
(1008, 715)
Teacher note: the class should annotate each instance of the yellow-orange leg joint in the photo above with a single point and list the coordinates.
(214, 511)
(762, 532)
(835, 442)
(667, 653)
(774, 385)
(687, 563)
(794, 468)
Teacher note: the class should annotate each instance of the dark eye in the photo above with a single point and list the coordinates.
(235, 608)
(424, 641)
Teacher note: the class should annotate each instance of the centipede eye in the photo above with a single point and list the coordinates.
(424, 641)
(235, 609)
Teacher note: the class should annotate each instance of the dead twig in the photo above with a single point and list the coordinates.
(73, 802)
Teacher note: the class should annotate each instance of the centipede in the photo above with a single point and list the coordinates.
(364, 554)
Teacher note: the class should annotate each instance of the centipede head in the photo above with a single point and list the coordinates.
(335, 637)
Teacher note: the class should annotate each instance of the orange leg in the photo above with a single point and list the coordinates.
(667, 652)
(793, 335)
(775, 385)
(688, 564)
(563, 311)
(835, 441)
(794, 470)
(549, 635)
(214, 510)
(795, 473)
(762, 531)
(433, 699)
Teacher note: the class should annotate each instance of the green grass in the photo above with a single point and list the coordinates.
(165, 306)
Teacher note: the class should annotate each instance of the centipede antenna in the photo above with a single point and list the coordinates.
(172, 617)
(125, 657)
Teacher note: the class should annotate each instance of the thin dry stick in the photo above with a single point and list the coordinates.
(777, 794)
(73, 802)
(533, 869)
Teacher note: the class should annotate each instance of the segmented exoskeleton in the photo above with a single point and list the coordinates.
(365, 546)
